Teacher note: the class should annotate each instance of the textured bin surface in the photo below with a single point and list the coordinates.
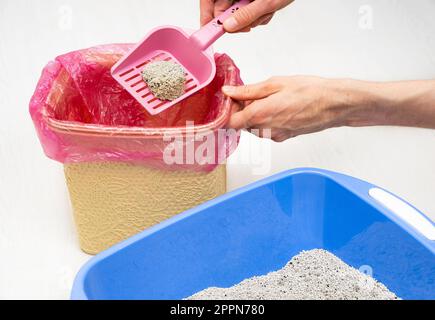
(113, 201)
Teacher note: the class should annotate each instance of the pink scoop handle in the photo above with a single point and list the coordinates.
(212, 31)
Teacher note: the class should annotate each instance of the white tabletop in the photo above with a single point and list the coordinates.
(38, 246)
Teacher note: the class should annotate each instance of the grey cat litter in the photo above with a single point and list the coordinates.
(311, 275)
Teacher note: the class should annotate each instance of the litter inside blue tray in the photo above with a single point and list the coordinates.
(257, 229)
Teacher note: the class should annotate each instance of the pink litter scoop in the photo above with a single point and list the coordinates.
(175, 44)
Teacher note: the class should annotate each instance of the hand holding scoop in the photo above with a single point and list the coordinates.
(169, 43)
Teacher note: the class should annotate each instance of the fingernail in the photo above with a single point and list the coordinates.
(228, 90)
(230, 24)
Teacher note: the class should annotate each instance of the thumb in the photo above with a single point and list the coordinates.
(245, 16)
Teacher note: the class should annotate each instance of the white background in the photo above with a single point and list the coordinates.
(39, 254)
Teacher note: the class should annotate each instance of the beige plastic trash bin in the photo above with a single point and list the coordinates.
(113, 150)
(113, 201)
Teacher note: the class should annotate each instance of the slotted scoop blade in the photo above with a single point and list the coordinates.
(169, 43)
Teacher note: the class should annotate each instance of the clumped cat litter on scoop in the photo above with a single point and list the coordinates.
(311, 275)
(165, 79)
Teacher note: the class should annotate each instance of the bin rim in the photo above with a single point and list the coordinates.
(80, 128)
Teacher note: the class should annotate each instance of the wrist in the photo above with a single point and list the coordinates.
(364, 103)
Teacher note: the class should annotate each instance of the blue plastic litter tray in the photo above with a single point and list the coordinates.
(257, 229)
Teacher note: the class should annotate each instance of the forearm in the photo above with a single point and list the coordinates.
(404, 103)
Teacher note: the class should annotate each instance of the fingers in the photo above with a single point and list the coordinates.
(239, 120)
(212, 8)
(207, 11)
(266, 19)
(221, 6)
(245, 30)
(237, 106)
(262, 20)
(253, 115)
(257, 118)
(252, 92)
(257, 92)
(246, 16)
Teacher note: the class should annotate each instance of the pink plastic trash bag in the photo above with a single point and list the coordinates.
(83, 115)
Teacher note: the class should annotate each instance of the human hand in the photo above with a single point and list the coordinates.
(292, 106)
(259, 12)
(289, 106)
